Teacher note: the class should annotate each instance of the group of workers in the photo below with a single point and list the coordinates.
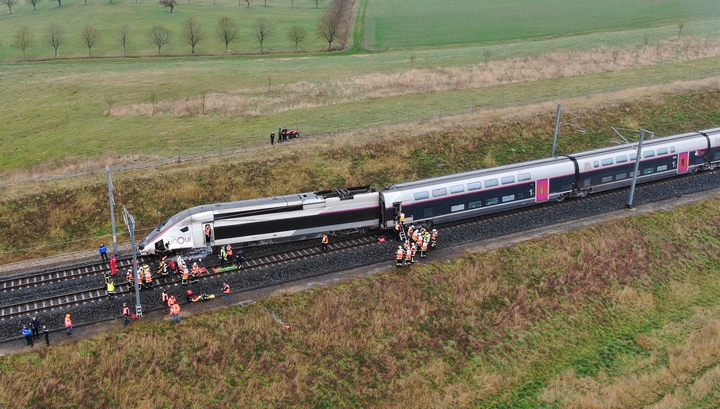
(416, 240)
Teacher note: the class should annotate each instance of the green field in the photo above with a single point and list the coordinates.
(427, 23)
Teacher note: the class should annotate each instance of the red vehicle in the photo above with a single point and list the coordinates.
(284, 134)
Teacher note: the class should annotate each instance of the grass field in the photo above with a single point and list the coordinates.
(428, 23)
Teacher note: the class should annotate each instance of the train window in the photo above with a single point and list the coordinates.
(607, 162)
(662, 151)
(508, 198)
(648, 154)
(620, 176)
(457, 208)
(457, 189)
(439, 192)
(633, 156)
(491, 183)
(523, 177)
(648, 171)
(475, 205)
(421, 195)
(662, 168)
(506, 180)
(621, 159)
(491, 201)
(606, 179)
(475, 186)
(672, 149)
(596, 164)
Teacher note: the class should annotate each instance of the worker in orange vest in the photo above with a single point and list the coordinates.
(399, 257)
(68, 324)
(325, 242)
(229, 252)
(185, 276)
(175, 312)
(126, 314)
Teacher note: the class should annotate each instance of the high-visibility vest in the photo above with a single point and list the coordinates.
(434, 235)
(111, 287)
(226, 289)
(175, 309)
(229, 250)
(402, 217)
(419, 240)
(415, 235)
(148, 277)
(208, 231)
(196, 269)
(400, 254)
(68, 321)
(186, 274)
(325, 239)
(408, 254)
(172, 300)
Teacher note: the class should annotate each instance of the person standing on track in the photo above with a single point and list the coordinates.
(113, 265)
(46, 332)
(35, 327)
(325, 242)
(103, 252)
(165, 298)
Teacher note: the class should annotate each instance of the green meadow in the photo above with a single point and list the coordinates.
(427, 23)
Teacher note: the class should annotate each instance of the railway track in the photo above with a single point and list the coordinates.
(266, 262)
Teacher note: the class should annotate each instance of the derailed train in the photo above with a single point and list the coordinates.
(435, 200)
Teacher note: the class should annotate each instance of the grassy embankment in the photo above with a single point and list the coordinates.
(619, 315)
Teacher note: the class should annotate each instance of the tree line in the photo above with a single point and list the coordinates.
(331, 27)
(167, 3)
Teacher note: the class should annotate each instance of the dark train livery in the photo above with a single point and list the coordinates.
(440, 199)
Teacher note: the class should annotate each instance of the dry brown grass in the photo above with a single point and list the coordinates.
(302, 95)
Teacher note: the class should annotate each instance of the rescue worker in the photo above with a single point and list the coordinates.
(165, 299)
(175, 312)
(325, 242)
(113, 265)
(408, 256)
(163, 268)
(28, 336)
(68, 324)
(226, 291)
(126, 314)
(185, 276)
(171, 301)
(129, 277)
(111, 288)
(413, 250)
(148, 276)
(410, 230)
(208, 234)
(399, 257)
(180, 263)
(433, 238)
(423, 248)
(223, 253)
(419, 242)
(415, 235)
(195, 271)
(402, 218)
(229, 252)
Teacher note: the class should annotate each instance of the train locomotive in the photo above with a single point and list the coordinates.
(434, 200)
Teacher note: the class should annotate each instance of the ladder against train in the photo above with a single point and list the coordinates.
(401, 233)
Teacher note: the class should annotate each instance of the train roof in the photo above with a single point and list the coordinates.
(516, 167)
(632, 145)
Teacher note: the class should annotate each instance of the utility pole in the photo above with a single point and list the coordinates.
(111, 194)
(635, 173)
(130, 223)
(557, 128)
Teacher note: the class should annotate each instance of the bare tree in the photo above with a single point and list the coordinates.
(487, 54)
(90, 36)
(159, 36)
(331, 24)
(23, 39)
(297, 34)
(9, 4)
(227, 30)
(122, 37)
(55, 36)
(317, 3)
(681, 25)
(262, 31)
(169, 3)
(412, 61)
(248, 3)
(33, 3)
(193, 32)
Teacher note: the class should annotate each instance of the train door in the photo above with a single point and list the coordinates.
(683, 162)
(542, 190)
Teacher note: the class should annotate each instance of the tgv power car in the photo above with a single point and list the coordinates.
(434, 200)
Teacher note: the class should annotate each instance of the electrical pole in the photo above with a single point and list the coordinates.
(637, 166)
(130, 223)
(557, 128)
(111, 194)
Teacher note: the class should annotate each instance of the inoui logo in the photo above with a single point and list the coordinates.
(181, 240)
